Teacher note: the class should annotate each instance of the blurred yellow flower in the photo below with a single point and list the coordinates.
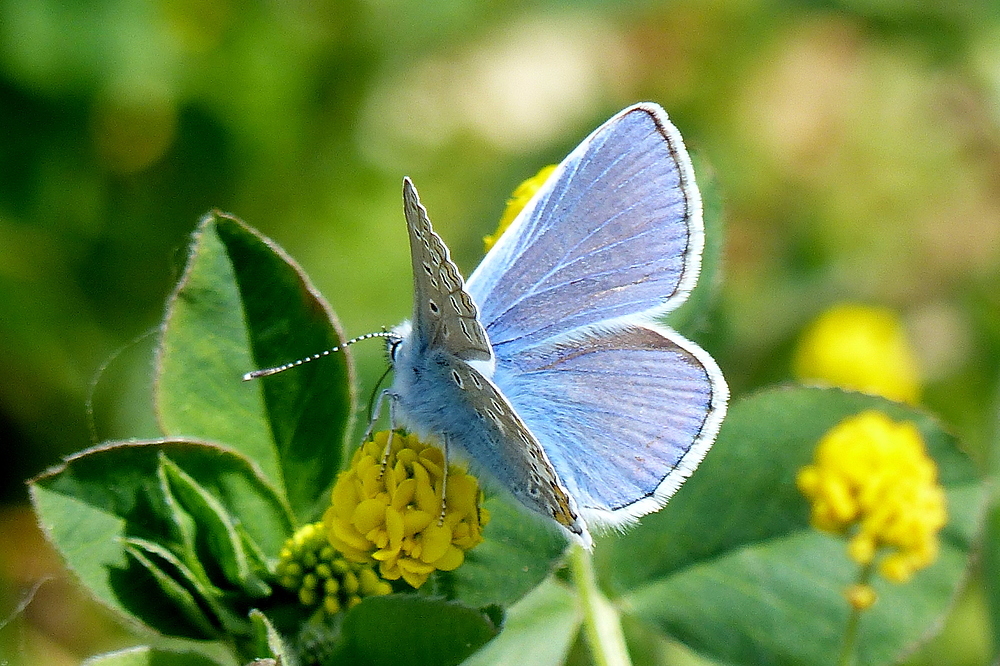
(521, 196)
(391, 515)
(310, 566)
(872, 477)
(862, 348)
(860, 596)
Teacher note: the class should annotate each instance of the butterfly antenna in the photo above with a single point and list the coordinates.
(294, 364)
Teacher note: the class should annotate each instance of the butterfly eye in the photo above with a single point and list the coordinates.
(394, 347)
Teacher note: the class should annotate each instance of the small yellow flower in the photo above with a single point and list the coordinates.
(517, 201)
(872, 479)
(392, 515)
(860, 596)
(861, 348)
(311, 567)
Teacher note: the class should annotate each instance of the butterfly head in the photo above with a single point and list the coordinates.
(396, 339)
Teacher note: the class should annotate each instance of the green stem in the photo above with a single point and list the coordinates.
(850, 639)
(601, 623)
(847, 652)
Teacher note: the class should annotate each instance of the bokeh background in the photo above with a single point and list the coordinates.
(855, 145)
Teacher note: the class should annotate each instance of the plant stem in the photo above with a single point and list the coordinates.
(848, 654)
(850, 638)
(601, 624)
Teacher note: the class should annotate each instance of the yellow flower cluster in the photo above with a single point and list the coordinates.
(521, 196)
(873, 477)
(391, 515)
(310, 566)
(861, 348)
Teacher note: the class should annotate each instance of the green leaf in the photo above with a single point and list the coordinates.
(399, 630)
(184, 535)
(180, 597)
(268, 643)
(147, 656)
(785, 603)
(180, 574)
(732, 567)
(539, 630)
(97, 505)
(243, 304)
(519, 551)
(224, 543)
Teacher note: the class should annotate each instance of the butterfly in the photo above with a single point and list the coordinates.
(548, 367)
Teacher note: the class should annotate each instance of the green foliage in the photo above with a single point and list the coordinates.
(243, 304)
(410, 630)
(738, 538)
(267, 640)
(165, 532)
(145, 656)
(539, 629)
(182, 534)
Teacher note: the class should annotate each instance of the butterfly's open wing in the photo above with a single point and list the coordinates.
(616, 231)
(624, 415)
(443, 311)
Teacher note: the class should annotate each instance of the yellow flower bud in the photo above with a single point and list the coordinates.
(860, 596)
(310, 567)
(331, 604)
(307, 597)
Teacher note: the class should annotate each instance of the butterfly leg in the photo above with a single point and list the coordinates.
(376, 412)
(444, 482)
(392, 430)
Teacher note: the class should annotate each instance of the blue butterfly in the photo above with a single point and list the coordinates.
(548, 368)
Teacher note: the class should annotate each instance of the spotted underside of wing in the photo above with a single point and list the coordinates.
(442, 308)
(615, 231)
(625, 416)
(509, 450)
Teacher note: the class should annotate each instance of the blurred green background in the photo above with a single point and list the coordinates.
(856, 146)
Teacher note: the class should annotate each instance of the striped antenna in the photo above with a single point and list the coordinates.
(294, 364)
